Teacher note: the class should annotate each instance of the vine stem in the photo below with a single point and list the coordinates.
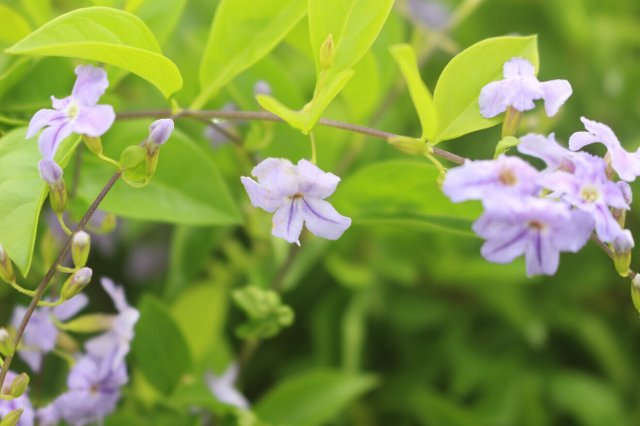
(39, 292)
(267, 116)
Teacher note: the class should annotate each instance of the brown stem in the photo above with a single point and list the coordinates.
(52, 270)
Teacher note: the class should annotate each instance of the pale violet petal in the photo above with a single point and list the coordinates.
(548, 150)
(578, 140)
(518, 67)
(51, 138)
(572, 235)
(116, 293)
(160, 130)
(42, 118)
(94, 120)
(288, 220)
(314, 182)
(607, 227)
(626, 164)
(71, 307)
(323, 220)
(50, 172)
(90, 84)
(505, 247)
(520, 93)
(492, 99)
(278, 176)
(540, 255)
(556, 93)
(261, 197)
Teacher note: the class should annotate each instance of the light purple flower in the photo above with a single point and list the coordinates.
(482, 179)
(537, 228)
(589, 190)
(626, 164)
(93, 392)
(40, 336)
(520, 88)
(429, 13)
(160, 130)
(623, 242)
(555, 156)
(50, 172)
(117, 339)
(28, 415)
(223, 387)
(78, 113)
(296, 194)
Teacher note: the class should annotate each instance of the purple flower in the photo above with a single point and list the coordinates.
(626, 164)
(93, 392)
(296, 194)
(589, 190)
(40, 336)
(28, 415)
(117, 339)
(555, 156)
(538, 228)
(520, 88)
(429, 13)
(78, 113)
(479, 180)
(223, 387)
(160, 130)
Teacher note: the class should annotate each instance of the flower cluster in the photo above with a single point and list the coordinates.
(540, 214)
(97, 375)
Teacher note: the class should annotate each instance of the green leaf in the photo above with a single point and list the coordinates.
(402, 192)
(104, 35)
(243, 32)
(13, 27)
(160, 347)
(22, 193)
(186, 188)
(456, 94)
(420, 95)
(312, 398)
(353, 26)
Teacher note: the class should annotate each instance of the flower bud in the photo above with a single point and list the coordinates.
(6, 267)
(159, 132)
(76, 283)
(52, 174)
(6, 345)
(80, 248)
(19, 385)
(626, 191)
(327, 53)
(635, 292)
(408, 145)
(622, 245)
(261, 88)
(94, 144)
(12, 418)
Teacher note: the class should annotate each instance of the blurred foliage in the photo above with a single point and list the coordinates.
(397, 323)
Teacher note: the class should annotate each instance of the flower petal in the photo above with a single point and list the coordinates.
(518, 67)
(278, 176)
(541, 256)
(42, 118)
(492, 99)
(548, 150)
(71, 307)
(314, 182)
(506, 246)
(323, 220)
(607, 227)
(288, 220)
(261, 197)
(51, 138)
(556, 93)
(90, 85)
(94, 120)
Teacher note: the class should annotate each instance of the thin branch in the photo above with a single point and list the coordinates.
(39, 292)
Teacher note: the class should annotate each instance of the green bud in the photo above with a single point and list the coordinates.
(622, 245)
(58, 196)
(327, 53)
(19, 385)
(80, 248)
(6, 267)
(12, 418)
(511, 122)
(76, 283)
(6, 343)
(94, 144)
(408, 145)
(134, 161)
(635, 292)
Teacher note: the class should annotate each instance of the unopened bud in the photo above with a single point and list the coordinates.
(19, 385)
(159, 132)
(12, 418)
(76, 283)
(635, 292)
(6, 345)
(80, 248)
(6, 267)
(409, 145)
(52, 174)
(626, 191)
(261, 88)
(622, 245)
(94, 144)
(327, 53)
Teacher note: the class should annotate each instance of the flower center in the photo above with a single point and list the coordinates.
(297, 195)
(589, 194)
(72, 110)
(507, 177)
(537, 226)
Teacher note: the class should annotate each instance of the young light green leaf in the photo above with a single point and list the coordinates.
(312, 398)
(420, 95)
(22, 193)
(456, 94)
(13, 27)
(160, 347)
(402, 192)
(243, 32)
(186, 188)
(105, 35)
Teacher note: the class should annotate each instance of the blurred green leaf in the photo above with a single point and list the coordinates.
(13, 28)
(186, 188)
(22, 193)
(402, 192)
(435, 409)
(456, 94)
(161, 16)
(266, 313)
(312, 398)
(420, 95)
(159, 347)
(243, 31)
(361, 95)
(104, 35)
